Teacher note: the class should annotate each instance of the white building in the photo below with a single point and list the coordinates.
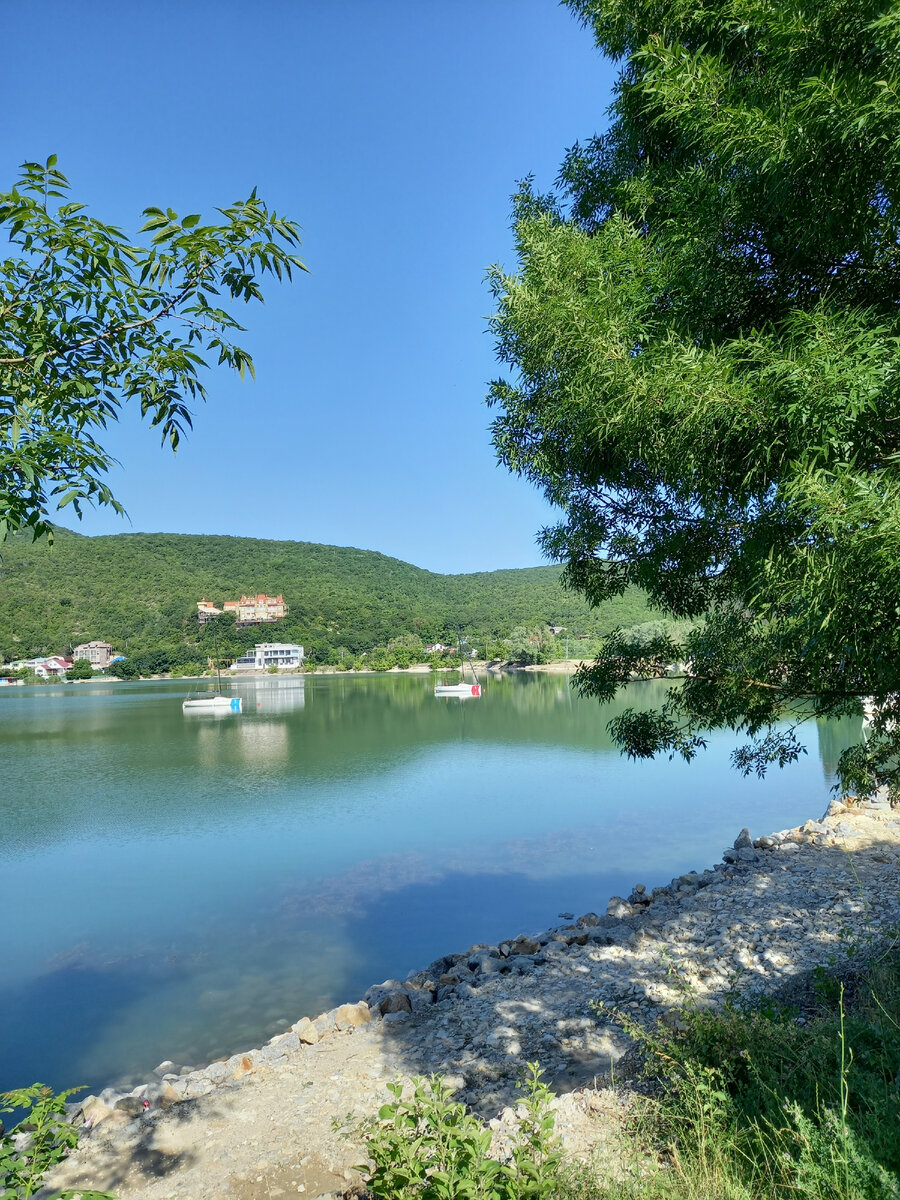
(44, 668)
(283, 655)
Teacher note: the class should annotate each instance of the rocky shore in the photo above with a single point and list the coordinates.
(280, 1120)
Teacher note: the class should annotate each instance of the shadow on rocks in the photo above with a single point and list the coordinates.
(756, 924)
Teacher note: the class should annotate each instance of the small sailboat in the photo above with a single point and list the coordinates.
(217, 701)
(462, 690)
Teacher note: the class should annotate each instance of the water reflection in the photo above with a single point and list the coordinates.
(269, 696)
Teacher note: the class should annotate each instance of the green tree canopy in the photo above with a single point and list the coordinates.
(704, 339)
(80, 669)
(90, 321)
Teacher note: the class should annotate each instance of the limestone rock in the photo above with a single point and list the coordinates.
(306, 1031)
(351, 1016)
(94, 1110)
(160, 1095)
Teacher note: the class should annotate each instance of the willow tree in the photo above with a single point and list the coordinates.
(703, 333)
(91, 320)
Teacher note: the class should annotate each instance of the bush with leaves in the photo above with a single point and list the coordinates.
(42, 1139)
(756, 1100)
(429, 1147)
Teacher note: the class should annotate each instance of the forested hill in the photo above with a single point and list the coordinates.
(143, 587)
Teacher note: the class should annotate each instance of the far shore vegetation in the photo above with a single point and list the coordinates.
(348, 608)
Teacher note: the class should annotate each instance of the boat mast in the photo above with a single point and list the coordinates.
(216, 644)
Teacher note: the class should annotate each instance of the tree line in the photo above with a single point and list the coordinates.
(140, 591)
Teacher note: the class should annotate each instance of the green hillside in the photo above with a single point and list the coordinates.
(142, 589)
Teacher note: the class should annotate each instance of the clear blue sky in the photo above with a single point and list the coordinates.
(394, 132)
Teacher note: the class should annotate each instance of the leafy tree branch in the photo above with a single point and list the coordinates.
(91, 321)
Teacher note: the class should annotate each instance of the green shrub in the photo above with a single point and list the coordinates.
(80, 669)
(49, 1138)
(430, 1148)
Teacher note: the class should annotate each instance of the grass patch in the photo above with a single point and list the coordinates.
(752, 1101)
(763, 1101)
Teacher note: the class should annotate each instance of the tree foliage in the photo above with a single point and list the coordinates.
(80, 669)
(704, 337)
(91, 321)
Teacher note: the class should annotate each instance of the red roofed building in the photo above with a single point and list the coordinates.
(251, 610)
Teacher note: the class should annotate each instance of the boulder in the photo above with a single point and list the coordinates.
(422, 998)
(743, 841)
(395, 1002)
(324, 1023)
(161, 1095)
(133, 1106)
(519, 964)
(588, 921)
(619, 908)
(351, 1016)
(93, 1110)
(524, 945)
(242, 1067)
(216, 1071)
(484, 964)
(306, 1031)
(374, 995)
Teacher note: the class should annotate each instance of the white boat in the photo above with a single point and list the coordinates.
(463, 690)
(212, 702)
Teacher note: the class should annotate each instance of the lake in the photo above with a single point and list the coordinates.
(183, 886)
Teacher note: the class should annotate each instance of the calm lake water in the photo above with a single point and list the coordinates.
(182, 887)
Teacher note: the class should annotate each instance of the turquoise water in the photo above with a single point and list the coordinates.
(181, 886)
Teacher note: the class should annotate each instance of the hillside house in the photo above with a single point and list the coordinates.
(206, 610)
(97, 653)
(48, 667)
(283, 655)
(254, 610)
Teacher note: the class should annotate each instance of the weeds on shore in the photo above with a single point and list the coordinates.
(41, 1140)
(429, 1147)
(756, 1101)
(753, 1101)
